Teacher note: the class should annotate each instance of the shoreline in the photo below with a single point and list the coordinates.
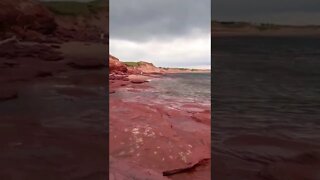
(146, 77)
(157, 121)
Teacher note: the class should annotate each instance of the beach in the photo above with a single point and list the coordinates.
(156, 137)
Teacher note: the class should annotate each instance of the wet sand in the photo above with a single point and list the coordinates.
(153, 138)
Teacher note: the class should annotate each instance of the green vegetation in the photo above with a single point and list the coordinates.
(72, 8)
(132, 64)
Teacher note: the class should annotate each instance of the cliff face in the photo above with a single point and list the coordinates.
(32, 20)
(142, 67)
(91, 26)
(25, 16)
(116, 66)
(94, 27)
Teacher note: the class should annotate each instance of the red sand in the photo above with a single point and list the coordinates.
(148, 139)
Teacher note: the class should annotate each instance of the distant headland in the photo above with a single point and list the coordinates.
(143, 67)
(233, 28)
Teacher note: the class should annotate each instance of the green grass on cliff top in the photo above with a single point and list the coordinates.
(72, 8)
(132, 64)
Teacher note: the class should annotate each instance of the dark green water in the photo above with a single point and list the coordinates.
(194, 87)
(267, 85)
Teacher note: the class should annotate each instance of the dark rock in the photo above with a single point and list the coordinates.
(77, 92)
(87, 64)
(52, 57)
(185, 169)
(138, 81)
(7, 93)
(55, 46)
(10, 63)
(44, 74)
(29, 35)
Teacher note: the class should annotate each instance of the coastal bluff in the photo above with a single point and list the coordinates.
(116, 66)
(25, 18)
(143, 67)
(51, 22)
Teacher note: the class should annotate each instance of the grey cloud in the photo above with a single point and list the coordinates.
(141, 20)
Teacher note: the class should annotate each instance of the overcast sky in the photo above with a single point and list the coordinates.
(168, 33)
(296, 12)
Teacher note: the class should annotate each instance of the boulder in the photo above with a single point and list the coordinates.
(138, 81)
(87, 63)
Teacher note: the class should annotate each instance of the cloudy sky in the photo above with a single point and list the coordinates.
(168, 33)
(299, 12)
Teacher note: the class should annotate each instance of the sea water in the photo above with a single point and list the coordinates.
(189, 87)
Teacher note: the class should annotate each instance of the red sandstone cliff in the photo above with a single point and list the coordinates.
(93, 27)
(25, 18)
(31, 20)
(116, 66)
(142, 67)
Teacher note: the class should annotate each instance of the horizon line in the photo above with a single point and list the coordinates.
(260, 23)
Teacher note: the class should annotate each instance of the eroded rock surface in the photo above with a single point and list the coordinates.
(17, 14)
(156, 138)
